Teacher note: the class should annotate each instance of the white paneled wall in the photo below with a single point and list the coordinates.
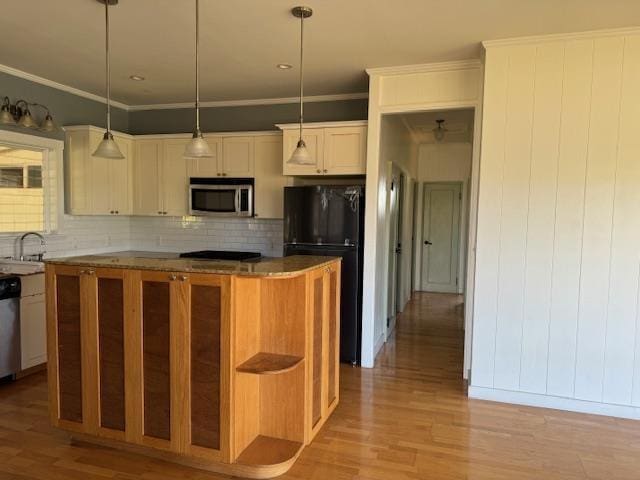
(557, 282)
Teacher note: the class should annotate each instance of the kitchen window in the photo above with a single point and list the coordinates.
(22, 196)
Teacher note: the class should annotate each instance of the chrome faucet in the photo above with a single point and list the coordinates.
(43, 244)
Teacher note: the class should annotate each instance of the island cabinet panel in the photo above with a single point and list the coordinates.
(156, 360)
(111, 351)
(69, 353)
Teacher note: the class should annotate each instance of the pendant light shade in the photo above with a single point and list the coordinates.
(439, 131)
(5, 113)
(48, 125)
(107, 148)
(26, 120)
(301, 155)
(198, 146)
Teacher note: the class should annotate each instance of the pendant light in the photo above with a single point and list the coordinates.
(198, 146)
(439, 131)
(6, 117)
(300, 155)
(108, 148)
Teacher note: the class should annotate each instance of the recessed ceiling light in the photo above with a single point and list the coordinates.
(137, 78)
(284, 66)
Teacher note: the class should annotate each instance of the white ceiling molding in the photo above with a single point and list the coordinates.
(59, 86)
(612, 32)
(172, 106)
(252, 102)
(426, 67)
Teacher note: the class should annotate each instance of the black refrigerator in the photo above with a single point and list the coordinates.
(329, 220)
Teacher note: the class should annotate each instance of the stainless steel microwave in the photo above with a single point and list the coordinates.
(224, 197)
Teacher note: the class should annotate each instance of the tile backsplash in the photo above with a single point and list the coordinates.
(79, 235)
(180, 234)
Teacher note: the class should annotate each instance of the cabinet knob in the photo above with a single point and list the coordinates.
(318, 171)
(172, 277)
(111, 212)
(183, 278)
(159, 212)
(224, 174)
(117, 212)
(325, 170)
(218, 174)
(164, 213)
(87, 272)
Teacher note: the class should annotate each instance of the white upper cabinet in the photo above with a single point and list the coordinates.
(98, 186)
(314, 139)
(336, 148)
(174, 185)
(207, 167)
(146, 177)
(269, 182)
(238, 156)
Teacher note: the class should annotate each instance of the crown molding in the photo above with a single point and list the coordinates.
(59, 86)
(612, 32)
(426, 67)
(251, 102)
(346, 123)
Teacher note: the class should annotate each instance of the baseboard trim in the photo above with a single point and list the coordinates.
(557, 403)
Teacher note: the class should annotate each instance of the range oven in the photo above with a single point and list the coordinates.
(224, 197)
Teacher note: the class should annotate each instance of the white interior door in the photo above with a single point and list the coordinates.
(441, 237)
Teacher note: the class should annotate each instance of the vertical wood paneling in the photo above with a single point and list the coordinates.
(541, 219)
(623, 287)
(489, 207)
(598, 217)
(572, 162)
(515, 205)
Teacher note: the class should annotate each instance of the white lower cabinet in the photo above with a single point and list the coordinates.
(33, 322)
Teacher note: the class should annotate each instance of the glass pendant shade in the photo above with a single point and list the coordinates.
(48, 125)
(108, 148)
(26, 120)
(198, 147)
(6, 118)
(301, 156)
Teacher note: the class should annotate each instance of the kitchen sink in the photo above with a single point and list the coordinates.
(17, 267)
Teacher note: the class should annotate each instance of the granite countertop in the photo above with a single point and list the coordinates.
(265, 266)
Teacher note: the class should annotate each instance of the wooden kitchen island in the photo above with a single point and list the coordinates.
(226, 366)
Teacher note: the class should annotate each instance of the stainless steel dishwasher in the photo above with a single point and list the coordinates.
(9, 326)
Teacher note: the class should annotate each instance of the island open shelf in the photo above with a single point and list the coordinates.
(233, 373)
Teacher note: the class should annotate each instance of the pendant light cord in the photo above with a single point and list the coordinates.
(198, 66)
(106, 16)
(301, 71)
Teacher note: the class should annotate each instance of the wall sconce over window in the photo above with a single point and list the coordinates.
(20, 115)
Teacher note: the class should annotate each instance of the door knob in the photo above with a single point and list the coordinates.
(427, 242)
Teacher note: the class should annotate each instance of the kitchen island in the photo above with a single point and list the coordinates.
(226, 366)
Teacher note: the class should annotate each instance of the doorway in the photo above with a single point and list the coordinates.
(441, 237)
(396, 202)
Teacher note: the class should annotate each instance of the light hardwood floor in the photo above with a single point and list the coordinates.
(408, 418)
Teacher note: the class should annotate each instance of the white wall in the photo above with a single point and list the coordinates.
(396, 90)
(557, 285)
(444, 162)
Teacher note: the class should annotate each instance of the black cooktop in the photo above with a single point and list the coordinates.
(221, 255)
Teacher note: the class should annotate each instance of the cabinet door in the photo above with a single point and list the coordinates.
(207, 167)
(78, 173)
(237, 157)
(175, 185)
(146, 177)
(345, 151)
(314, 138)
(33, 331)
(269, 181)
(120, 179)
(98, 180)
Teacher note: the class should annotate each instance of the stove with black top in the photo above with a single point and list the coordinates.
(221, 255)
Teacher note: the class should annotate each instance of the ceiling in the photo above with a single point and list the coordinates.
(458, 123)
(243, 40)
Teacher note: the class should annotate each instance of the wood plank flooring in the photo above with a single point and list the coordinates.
(406, 419)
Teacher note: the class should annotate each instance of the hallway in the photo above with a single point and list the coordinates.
(406, 419)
